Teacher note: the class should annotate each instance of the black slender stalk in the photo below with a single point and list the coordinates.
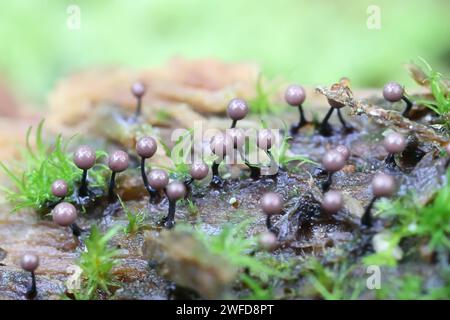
(327, 184)
(138, 107)
(447, 163)
(83, 187)
(390, 161)
(216, 179)
(409, 105)
(255, 172)
(76, 230)
(319, 171)
(325, 127)
(366, 219)
(270, 155)
(294, 129)
(169, 220)
(188, 182)
(53, 204)
(112, 183)
(302, 121)
(343, 122)
(233, 124)
(152, 192)
(269, 224)
(272, 160)
(31, 292)
(215, 168)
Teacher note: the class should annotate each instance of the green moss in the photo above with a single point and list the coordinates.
(439, 88)
(334, 282)
(258, 269)
(387, 257)
(411, 287)
(163, 116)
(96, 262)
(180, 155)
(192, 208)
(408, 218)
(261, 103)
(284, 157)
(136, 221)
(41, 166)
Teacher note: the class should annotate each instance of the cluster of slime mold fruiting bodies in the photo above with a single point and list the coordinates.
(158, 183)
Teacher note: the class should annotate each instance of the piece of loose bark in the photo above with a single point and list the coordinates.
(388, 118)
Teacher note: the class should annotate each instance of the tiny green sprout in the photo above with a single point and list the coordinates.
(333, 282)
(180, 155)
(136, 221)
(96, 262)
(284, 156)
(192, 208)
(261, 103)
(163, 116)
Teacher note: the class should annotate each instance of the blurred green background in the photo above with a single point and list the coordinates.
(311, 42)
